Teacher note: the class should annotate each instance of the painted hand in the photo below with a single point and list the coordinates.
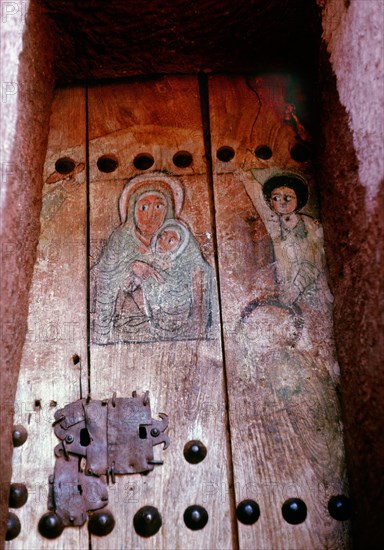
(145, 271)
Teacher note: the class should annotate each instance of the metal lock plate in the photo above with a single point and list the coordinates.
(98, 440)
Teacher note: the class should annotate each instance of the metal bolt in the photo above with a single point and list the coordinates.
(146, 398)
(147, 521)
(195, 517)
(50, 525)
(294, 511)
(18, 495)
(194, 451)
(19, 435)
(155, 432)
(101, 523)
(248, 512)
(13, 526)
(69, 438)
(339, 507)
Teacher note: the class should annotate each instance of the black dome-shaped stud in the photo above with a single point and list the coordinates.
(194, 451)
(195, 517)
(147, 521)
(13, 526)
(294, 511)
(101, 523)
(248, 512)
(339, 507)
(19, 435)
(50, 525)
(18, 495)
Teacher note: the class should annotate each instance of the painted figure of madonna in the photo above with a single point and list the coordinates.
(151, 280)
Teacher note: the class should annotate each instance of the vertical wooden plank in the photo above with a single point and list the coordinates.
(50, 374)
(282, 370)
(155, 321)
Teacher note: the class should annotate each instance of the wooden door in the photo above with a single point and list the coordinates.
(185, 277)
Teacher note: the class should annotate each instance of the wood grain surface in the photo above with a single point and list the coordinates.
(184, 377)
(284, 413)
(50, 374)
(126, 297)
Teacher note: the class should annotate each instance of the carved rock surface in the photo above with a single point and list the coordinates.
(117, 39)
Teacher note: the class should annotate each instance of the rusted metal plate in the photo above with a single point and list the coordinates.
(74, 493)
(99, 440)
(114, 434)
(130, 443)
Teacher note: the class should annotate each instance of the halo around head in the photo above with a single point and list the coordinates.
(293, 310)
(136, 182)
(181, 228)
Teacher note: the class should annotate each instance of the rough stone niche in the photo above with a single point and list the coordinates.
(44, 43)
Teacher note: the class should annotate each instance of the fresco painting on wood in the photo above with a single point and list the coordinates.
(286, 332)
(277, 311)
(280, 197)
(151, 281)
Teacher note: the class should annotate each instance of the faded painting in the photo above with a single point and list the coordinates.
(285, 335)
(151, 281)
(281, 199)
(294, 394)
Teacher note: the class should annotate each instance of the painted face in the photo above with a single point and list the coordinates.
(167, 241)
(150, 212)
(284, 200)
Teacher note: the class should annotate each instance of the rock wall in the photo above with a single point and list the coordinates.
(27, 83)
(353, 32)
(350, 155)
(350, 177)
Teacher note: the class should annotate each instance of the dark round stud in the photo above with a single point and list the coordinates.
(225, 153)
(194, 451)
(147, 521)
(263, 152)
(19, 435)
(155, 432)
(101, 523)
(248, 512)
(195, 517)
(50, 525)
(13, 526)
(339, 507)
(18, 495)
(294, 511)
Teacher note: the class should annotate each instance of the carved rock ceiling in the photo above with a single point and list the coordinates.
(98, 39)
